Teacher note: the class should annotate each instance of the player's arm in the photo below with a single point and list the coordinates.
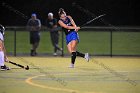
(72, 22)
(66, 26)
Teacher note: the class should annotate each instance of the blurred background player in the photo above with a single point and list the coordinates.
(52, 24)
(72, 37)
(34, 26)
(3, 56)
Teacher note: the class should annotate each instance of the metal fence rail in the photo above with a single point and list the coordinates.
(98, 41)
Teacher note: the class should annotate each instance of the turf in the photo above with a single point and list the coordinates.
(52, 75)
(94, 42)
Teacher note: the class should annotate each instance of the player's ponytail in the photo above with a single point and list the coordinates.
(61, 11)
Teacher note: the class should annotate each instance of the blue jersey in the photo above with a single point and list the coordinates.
(68, 23)
(70, 34)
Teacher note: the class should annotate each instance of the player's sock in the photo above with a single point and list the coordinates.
(80, 54)
(73, 57)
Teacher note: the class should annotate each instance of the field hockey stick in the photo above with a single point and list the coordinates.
(88, 22)
(26, 68)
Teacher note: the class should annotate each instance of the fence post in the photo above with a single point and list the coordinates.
(15, 42)
(62, 43)
(111, 43)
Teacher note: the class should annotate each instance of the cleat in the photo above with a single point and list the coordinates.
(87, 57)
(71, 66)
(55, 54)
(61, 49)
(4, 68)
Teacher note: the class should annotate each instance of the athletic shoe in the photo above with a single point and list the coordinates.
(55, 54)
(61, 49)
(33, 53)
(71, 66)
(87, 57)
(3, 68)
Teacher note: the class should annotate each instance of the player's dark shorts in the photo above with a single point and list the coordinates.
(34, 37)
(72, 36)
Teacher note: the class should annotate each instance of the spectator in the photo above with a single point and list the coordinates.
(34, 26)
(54, 34)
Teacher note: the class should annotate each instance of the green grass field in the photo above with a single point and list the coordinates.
(52, 75)
(94, 42)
